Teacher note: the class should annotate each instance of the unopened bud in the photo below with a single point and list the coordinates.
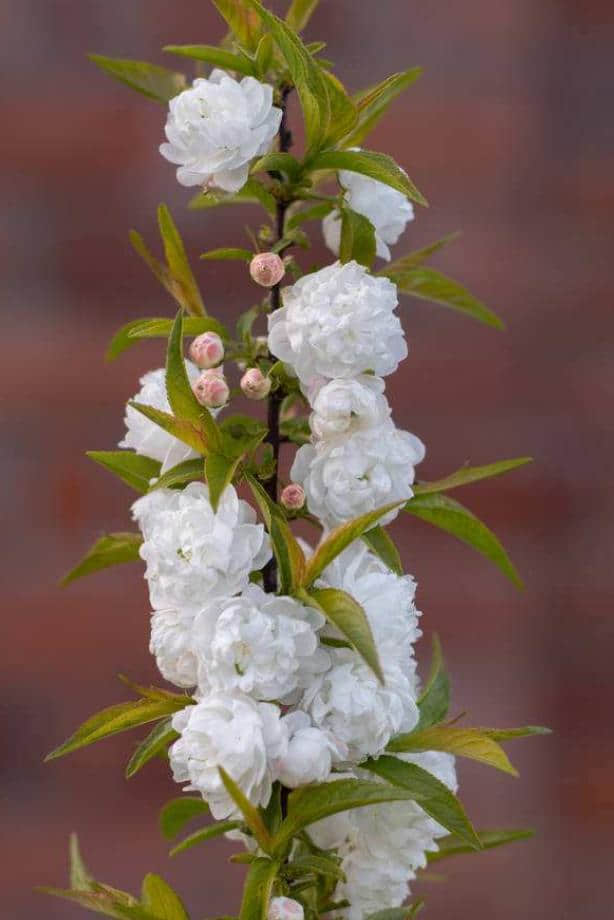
(293, 497)
(285, 909)
(267, 269)
(211, 389)
(254, 384)
(207, 350)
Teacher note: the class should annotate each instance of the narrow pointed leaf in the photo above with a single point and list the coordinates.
(462, 742)
(300, 12)
(288, 553)
(373, 103)
(118, 718)
(159, 898)
(228, 254)
(109, 903)
(258, 889)
(429, 284)
(219, 471)
(219, 57)
(347, 615)
(250, 814)
(468, 474)
(80, 876)
(181, 397)
(155, 82)
(343, 114)
(205, 833)
(133, 469)
(416, 258)
(279, 162)
(453, 846)
(449, 515)
(434, 701)
(357, 238)
(318, 865)
(508, 734)
(375, 165)
(185, 431)
(159, 328)
(428, 792)
(309, 804)
(242, 19)
(178, 264)
(180, 475)
(381, 543)
(112, 549)
(178, 812)
(340, 538)
(317, 212)
(156, 742)
(253, 192)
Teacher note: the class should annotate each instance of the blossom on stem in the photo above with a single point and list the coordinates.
(254, 384)
(267, 269)
(207, 350)
(211, 389)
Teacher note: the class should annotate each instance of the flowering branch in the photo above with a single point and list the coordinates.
(297, 717)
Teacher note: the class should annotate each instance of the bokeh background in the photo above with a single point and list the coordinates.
(509, 134)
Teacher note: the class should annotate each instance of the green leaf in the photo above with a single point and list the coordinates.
(119, 718)
(319, 865)
(183, 430)
(288, 553)
(343, 112)
(258, 889)
(155, 743)
(103, 900)
(133, 469)
(428, 284)
(380, 542)
(373, 103)
(350, 619)
(300, 13)
(242, 19)
(340, 538)
(112, 549)
(417, 257)
(188, 293)
(462, 742)
(375, 165)
(80, 876)
(317, 212)
(264, 55)
(467, 474)
(159, 328)
(155, 82)
(219, 57)
(219, 471)
(205, 833)
(228, 254)
(508, 734)
(251, 815)
(449, 515)
(241, 434)
(253, 192)
(296, 430)
(158, 897)
(279, 162)
(178, 812)
(180, 475)
(357, 238)
(181, 397)
(428, 792)
(434, 701)
(309, 804)
(452, 845)
(306, 76)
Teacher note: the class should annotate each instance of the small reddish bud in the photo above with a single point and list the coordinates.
(254, 384)
(293, 497)
(207, 350)
(211, 389)
(267, 269)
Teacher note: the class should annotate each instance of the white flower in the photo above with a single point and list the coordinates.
(388, 210)
(171, 644)
(285, 909)
(346, 405)
(194, 554)
(259, 644)
(233, 732)
(345, 478)
(382, 846)
(310, 753)
(147, 438)
(216, 127)
(338, 322)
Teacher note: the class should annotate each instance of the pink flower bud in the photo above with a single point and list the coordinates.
(254, 384)
(285, 909)
(293, 497)
(207, 350)
(211, 389)
(267, 269)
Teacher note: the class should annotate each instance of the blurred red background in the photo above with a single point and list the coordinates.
(509, 134)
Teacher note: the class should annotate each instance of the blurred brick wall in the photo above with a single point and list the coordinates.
(509, 134)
